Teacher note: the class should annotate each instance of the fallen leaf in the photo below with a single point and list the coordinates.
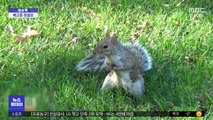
(74, 38)
(106, 28)
(189, 59)
(11, 30)
(21, 37)
(192, 59)
(28, 34)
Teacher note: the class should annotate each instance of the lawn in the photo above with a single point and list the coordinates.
(178, 36)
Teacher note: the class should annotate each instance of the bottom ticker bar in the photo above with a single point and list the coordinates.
(110, 114)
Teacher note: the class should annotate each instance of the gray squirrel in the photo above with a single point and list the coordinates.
(124, 61)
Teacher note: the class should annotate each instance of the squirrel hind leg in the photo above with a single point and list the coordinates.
(137, 89)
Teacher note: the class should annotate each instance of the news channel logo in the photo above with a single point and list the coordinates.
(16, 105)
(22, 12)
(19, 104)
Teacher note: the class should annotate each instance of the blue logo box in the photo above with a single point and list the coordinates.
(16, 105)
(22, 12)
(22, 9)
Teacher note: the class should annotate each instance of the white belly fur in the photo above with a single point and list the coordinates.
(124, 80)
(135, 88)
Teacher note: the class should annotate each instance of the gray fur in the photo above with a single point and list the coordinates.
(95, 62)
(92, 62)
(145, 59)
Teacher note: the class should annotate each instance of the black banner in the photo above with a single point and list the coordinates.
(108, 114)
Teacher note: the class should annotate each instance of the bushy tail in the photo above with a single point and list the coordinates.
(145, 60)
(92, 62)
(95, 62)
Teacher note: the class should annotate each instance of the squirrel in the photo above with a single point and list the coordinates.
(124, 61)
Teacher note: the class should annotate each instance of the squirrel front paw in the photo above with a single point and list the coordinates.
(109, 67)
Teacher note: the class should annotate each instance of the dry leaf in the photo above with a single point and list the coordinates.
(24, 36)
(11, 30)
(21, 37)
(74, 38)
(106, 28)
(98, 26)
(135, 35)
(30, 33)
(192, 59)
(62, 8)
(146, 24)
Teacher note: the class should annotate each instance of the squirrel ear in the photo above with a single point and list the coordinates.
(113, 38)
(108, 34)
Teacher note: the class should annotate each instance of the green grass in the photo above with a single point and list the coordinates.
(43, 67)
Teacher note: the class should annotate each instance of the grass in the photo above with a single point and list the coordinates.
(42, 68)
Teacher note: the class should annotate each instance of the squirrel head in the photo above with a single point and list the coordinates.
(106, 45)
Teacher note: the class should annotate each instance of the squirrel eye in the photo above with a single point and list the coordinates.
(105, 46)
